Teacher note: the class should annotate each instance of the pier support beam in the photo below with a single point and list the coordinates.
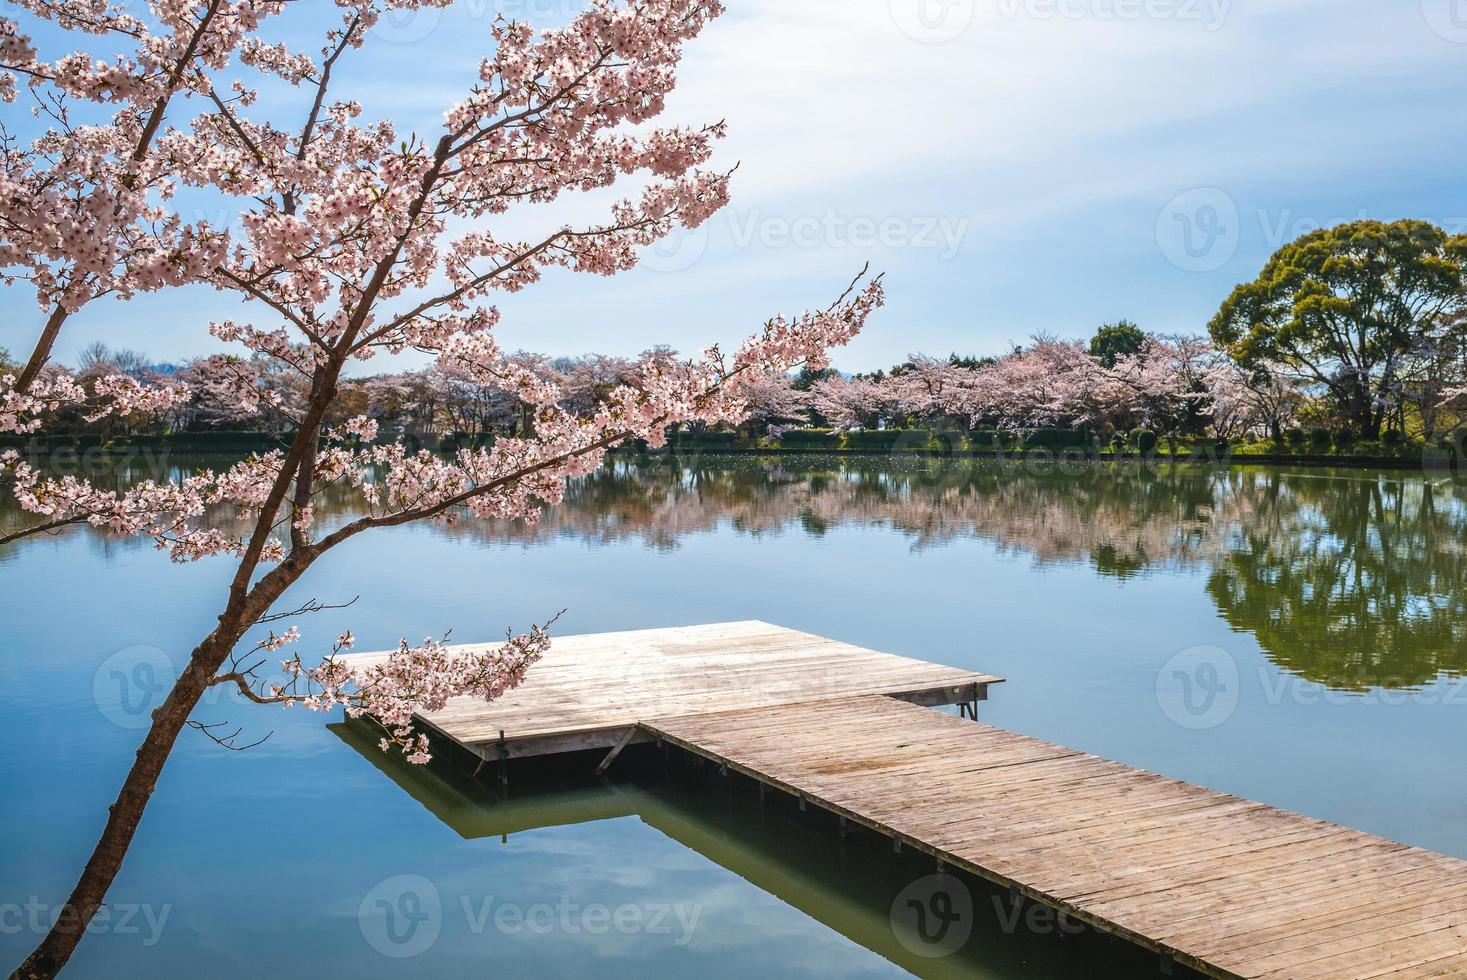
(622, 743)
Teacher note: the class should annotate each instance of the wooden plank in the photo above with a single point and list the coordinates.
(1227, 886)
(588, 690)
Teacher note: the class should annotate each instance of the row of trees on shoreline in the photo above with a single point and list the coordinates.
(1350, 334)
(1123, 380)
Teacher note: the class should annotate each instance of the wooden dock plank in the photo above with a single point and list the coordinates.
(589, 690)
(1231, 887)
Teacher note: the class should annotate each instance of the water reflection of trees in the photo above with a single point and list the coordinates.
(1125, 519)
(1349, 579)
(1356, 583)
(1353, 580)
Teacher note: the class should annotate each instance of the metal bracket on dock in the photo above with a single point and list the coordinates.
(969, 708)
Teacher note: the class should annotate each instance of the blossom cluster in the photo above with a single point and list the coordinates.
(176, 515)
(99, 397)
(84, 204)
(411, 679)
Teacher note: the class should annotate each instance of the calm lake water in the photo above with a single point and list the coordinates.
(1295, 636)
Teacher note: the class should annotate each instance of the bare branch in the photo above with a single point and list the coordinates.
(313, 606)
(228, 741)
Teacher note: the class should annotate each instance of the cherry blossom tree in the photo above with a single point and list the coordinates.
(83, 209)
(357, 240)
(1165, 384)
(1061, 383)
(586, 380)
(772, 400)
(404, 403)
(933, 388)
(1433, 374)
(1050, 382)
(468, 405)
(223, 390)
(1264, 397)
(848, 403)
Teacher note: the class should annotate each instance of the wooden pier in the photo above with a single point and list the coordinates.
(1226, 886)
(591, 691)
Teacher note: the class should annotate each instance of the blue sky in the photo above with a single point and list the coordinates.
(1014, 166)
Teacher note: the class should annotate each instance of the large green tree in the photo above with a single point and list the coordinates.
(1116, 340)
(1345, 306)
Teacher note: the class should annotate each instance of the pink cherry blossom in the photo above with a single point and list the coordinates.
(355, 239)
(848, 404)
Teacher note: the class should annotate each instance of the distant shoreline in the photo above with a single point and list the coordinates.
(1045, 455)
(190, 446)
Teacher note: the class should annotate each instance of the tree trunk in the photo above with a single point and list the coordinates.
(126, 813)
(41, 353)
(122, 818)
(1367, 418)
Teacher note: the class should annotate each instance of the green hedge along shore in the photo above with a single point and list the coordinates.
(1297, 448)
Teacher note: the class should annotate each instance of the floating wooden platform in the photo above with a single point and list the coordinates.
(1227, 886)
(591, 691)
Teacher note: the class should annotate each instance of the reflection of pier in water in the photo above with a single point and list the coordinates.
(847, 885)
